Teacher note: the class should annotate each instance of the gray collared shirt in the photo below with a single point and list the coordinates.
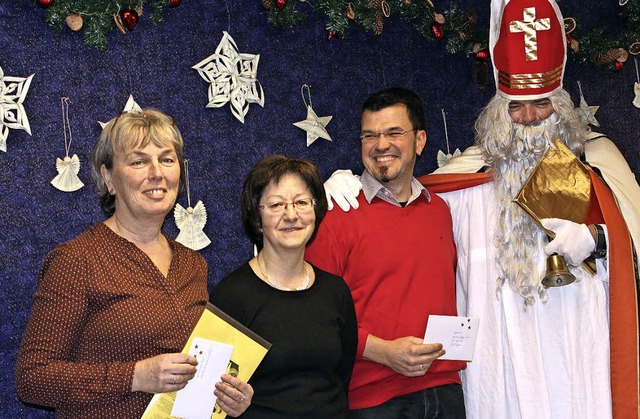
(371, 188)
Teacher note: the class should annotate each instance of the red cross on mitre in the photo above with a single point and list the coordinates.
(529, 50)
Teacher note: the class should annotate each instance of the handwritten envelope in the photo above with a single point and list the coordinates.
(197, 400)
(457, 335)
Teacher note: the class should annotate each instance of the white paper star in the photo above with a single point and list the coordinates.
(130, 106)
(13, 91)
(233, 78)
(315, 126)
(585, 112)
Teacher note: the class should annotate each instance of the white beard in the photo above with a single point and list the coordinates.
(519, 240)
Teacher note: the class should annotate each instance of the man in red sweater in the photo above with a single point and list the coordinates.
(398, 256)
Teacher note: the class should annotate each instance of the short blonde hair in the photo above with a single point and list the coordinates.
(132, 129)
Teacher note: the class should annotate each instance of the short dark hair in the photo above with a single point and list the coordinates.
(398, 96)
(271, 169)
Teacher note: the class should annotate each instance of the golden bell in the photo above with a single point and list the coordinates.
(557, 273)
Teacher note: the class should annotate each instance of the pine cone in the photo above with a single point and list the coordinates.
(267, 4)
(608, 56)
(468, 25)
(379, 23)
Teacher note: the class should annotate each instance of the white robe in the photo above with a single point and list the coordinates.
(552, 359)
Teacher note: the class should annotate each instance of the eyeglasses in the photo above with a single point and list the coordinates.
(391, 135)
(300, 205)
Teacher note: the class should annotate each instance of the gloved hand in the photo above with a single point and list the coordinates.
(573, 241)
(343, 187)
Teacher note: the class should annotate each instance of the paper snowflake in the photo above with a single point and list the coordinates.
(13, 91)
(233, 78)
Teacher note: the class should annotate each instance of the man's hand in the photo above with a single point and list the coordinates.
(573, 241)
(343, 187)
(408, 356)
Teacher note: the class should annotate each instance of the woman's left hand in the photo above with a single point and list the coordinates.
(234, 395)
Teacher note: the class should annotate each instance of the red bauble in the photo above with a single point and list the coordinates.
(281, 3)
(174, 3)
(437, 31)
(44, 3)
(129, 18)
(482, 55)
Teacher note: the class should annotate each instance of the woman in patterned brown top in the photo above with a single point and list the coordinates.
(115, 306)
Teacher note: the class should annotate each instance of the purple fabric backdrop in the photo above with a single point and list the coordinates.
(154, 65)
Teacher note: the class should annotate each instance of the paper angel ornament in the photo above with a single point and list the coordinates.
(13, 91)
(233, 78)
(190, 222)
(130, 106)
(67, 179)
(314, 125)
(444, 158)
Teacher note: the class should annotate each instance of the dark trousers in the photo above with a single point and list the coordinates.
(443, 402)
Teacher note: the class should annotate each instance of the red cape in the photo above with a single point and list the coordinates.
(623, 286)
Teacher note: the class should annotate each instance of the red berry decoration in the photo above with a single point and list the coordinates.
(44, 3)
(129, 18)
(482, 55)
(174, 3)
(617, 66)
(437, 31)
(331, 35)
(281, 3)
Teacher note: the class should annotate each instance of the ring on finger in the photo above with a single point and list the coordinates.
(421, 367)
(174, 378)
(241, 398)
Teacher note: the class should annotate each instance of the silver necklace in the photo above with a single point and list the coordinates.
(275, 284)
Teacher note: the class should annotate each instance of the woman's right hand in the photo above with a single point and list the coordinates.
(164, 373)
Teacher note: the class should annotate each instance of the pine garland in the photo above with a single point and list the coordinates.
(461, 36)
(98, 16)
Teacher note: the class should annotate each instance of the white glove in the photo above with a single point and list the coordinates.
(573, 241)
(344, 188)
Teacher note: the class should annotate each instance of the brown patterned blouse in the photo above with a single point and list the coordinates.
(101, 306)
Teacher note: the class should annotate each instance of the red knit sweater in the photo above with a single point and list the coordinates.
(400, 266)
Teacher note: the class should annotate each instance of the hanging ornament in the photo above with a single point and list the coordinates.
(267, 4)
(314, 124)
(437, 31)
(74, 22)
(191, 221)
(67, 179)
(636, 86)
(129, 18)
(44, 3)
(13, 91)
(233, 78)
(587, 113)
(280, 4)
(130, 106)
(444, 158)
(331, 35)
(174, 3)
(382, 10)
